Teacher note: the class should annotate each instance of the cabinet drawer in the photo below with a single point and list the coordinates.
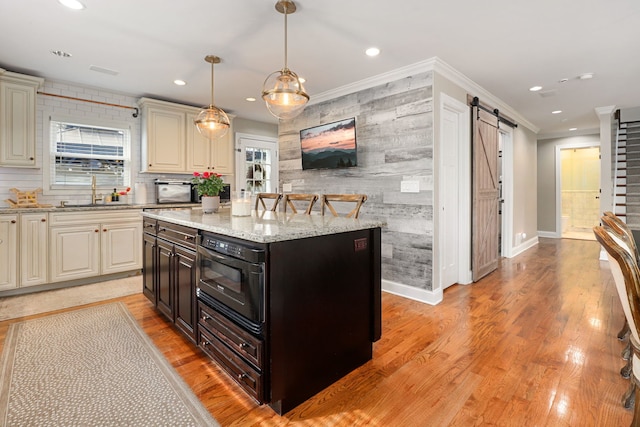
(184, 236)
(231, 334)
(248, 378)
(149, 226)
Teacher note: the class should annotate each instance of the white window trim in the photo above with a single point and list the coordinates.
(48, 160)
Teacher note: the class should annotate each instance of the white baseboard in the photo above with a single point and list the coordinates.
(421, 295)
(549, 234)
(525, 245)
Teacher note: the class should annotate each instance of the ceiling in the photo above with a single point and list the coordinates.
(504, 46)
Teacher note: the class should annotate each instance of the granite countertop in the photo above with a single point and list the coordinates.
(263, 226)
(98, 207)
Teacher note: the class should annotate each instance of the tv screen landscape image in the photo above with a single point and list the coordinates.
(329, 146)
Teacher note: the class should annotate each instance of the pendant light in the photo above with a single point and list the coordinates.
(212, 122)
(282, 90)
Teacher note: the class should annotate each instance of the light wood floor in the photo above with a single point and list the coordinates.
(533, 344)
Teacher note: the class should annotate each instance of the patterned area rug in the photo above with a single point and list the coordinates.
(91, 367)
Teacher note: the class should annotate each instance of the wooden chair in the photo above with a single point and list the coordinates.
(626, 275)
(616, 224)
(289, 200)
(358, 199)
(261, 197)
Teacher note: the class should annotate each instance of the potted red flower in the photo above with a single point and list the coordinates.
(208, 185)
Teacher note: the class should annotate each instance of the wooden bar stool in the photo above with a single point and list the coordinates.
(261, 197)
(358, 199)
(289, 200)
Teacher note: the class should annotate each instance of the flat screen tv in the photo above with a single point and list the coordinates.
(329, 146)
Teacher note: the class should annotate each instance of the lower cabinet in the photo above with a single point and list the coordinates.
(8, 252)
(90, 244)
(34, 247)
(169, 273)
(23, 250)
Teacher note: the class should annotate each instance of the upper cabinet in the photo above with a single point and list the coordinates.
(18, 119)
(172, 144)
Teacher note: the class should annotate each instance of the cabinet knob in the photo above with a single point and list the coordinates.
(31, 158)
(244, 345)
(96, 230)
(150, 165)
(242, 376)
(13, 221)
(43, 220)
(104, 229)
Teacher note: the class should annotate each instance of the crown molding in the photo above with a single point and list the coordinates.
(568, 134)
(431, 64)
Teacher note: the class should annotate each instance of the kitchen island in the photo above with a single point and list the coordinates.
(298, 312)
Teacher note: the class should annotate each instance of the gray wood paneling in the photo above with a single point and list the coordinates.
(394, 131)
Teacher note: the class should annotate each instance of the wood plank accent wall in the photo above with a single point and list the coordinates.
(394, 132)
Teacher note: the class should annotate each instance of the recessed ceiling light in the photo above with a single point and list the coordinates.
(556, 112)
(563, 80)
(72, 4)
(179, 82)
(535, 88)
(61, 53)
(572, 129)
(372, 51)
(586, 76)
(250, 99)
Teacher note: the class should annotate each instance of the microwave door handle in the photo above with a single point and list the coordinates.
(225, 260)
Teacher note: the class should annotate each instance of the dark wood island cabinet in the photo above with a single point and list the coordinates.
(320, 298)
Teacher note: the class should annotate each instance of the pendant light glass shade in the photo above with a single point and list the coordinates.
(212, 122)
(282, 90)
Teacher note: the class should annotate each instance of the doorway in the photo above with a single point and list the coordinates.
(579, 182)
(256, 163)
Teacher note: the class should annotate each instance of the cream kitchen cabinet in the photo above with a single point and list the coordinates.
(18, 119)
(209, 155)
(8, 252)
(87, 244)
(172, 144)
(34, 230)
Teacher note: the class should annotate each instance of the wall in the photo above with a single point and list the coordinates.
(546, 179)
(525, 200)
(29, 179)
(255, 128)
(394, 131)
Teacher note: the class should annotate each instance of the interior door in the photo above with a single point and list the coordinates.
(486, 194)
(257, 164)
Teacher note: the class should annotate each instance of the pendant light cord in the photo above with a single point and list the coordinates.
(285, 37)
(212, 103)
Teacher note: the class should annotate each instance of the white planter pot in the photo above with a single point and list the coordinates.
(210, 204)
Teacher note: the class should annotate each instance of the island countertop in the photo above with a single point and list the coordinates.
(263, 226)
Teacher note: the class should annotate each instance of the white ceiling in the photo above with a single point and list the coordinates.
(505, 46)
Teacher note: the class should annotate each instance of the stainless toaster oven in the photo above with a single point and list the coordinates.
(168, 191)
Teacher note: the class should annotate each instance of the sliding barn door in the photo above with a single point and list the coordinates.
(485, 221)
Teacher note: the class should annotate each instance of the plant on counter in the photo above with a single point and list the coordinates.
(208, 184)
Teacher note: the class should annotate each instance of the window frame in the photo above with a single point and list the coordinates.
(49, 152)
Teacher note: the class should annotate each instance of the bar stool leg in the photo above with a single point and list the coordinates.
(624, 332)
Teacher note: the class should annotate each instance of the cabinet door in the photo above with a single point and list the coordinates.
(34, 247)
(222, 154)
(198, 148)
(185, 291)
(8, 252)
(149, 262)
(120, 247)
(166, 140)
(74, 252)
(164, 278)
(17, 124)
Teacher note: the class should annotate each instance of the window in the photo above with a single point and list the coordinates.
(80, 150)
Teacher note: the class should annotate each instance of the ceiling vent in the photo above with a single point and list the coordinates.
(104, 70)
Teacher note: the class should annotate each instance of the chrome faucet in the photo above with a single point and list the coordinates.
(94, 198)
